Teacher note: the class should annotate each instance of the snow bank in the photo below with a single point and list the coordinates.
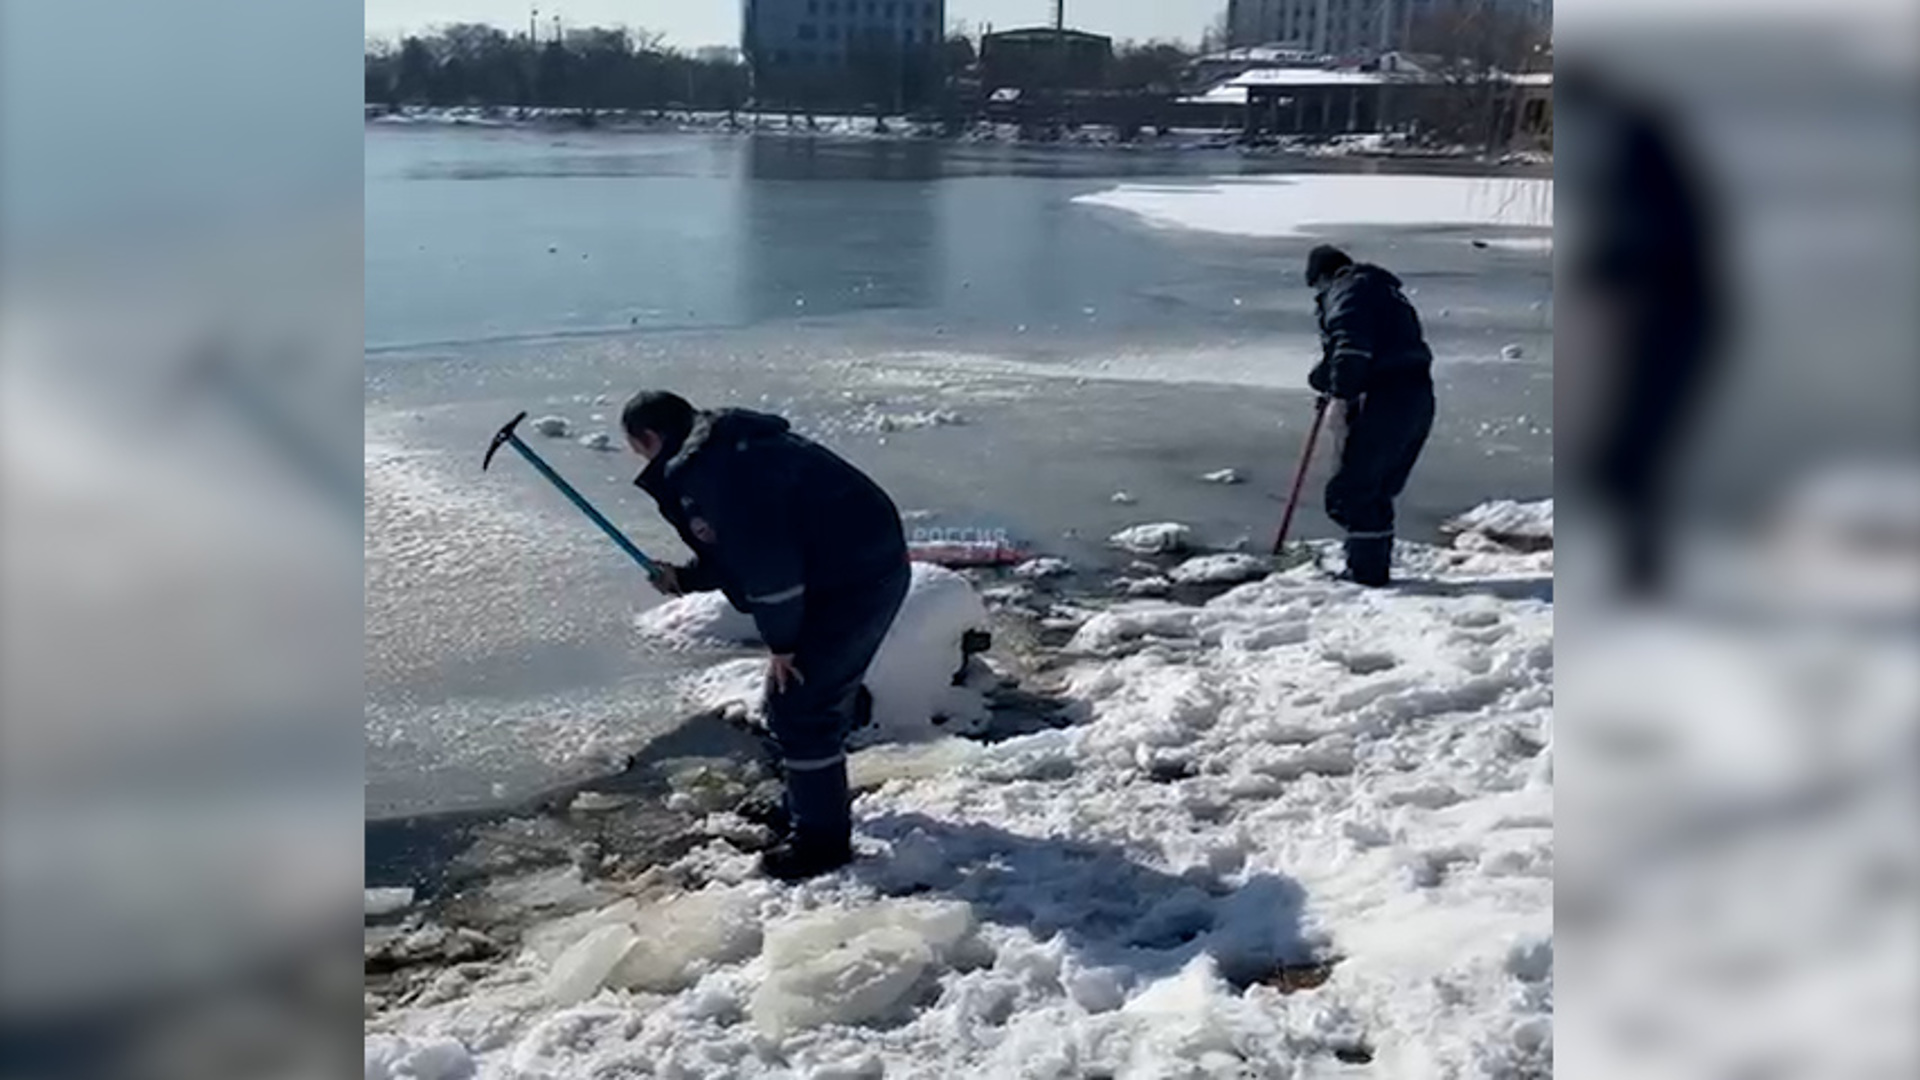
(911, 678)
(1517, 525)
(1221, 570)
(398, 1058)
(1299, 775)
(1037, 569)
(1169, 538)
(1287, 206)
(702, 619)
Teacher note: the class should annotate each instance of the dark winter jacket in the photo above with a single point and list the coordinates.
(1370, 334)
(775, 520)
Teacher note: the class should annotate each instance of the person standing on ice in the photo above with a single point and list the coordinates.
(1378, 371)
(811, 548)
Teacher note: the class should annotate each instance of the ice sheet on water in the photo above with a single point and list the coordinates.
(854, 965)
(1296, 205)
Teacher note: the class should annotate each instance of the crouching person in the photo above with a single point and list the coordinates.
(811, 548)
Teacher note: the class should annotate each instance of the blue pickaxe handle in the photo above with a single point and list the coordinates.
(507, 437)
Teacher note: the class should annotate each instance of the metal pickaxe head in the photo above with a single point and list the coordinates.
(500, 440)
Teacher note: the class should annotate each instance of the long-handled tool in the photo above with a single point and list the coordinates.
(1300, 478)
(507, 437)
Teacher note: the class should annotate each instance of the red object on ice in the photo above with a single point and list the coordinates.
(963, 556)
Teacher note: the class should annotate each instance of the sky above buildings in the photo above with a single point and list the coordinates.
(693, 23)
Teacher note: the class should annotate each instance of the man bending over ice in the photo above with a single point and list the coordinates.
(814, 551)
(1378, 369)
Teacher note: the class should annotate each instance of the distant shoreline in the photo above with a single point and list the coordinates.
(843, 127)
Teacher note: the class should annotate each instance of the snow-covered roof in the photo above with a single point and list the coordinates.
(1225, 94)
(1305, 77)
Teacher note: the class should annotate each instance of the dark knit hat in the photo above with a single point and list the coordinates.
(1325, 261)
(667, 415)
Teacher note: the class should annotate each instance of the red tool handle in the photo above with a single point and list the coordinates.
(1300, 478)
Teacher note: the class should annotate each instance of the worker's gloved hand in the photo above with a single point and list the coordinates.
(667, 581)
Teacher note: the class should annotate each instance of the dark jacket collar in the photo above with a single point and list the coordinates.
(726, 426)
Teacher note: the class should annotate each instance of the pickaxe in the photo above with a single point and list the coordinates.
(508, 437)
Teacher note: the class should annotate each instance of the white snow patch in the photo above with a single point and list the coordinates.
(1225, 476)
(700, 619)
(600, 441)
(1286, 206)
(1167, 538)
(1043, 568)
(1152, 587)
(1123, 498)
(384, 902)
(1221, 570)
(1528, 526)
(390, 1057)
(554, 427)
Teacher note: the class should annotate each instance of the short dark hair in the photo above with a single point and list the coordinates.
(1325, 261)
(667, 415)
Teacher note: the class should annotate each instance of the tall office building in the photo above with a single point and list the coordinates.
(1346, 27)
(789, 36)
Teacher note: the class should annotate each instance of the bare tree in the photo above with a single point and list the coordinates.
(1472, 46)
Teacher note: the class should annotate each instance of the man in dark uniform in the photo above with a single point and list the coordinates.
(1378, 370)
(815, 552)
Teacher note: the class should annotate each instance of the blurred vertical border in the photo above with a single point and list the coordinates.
(180, 422)
(1737, 724)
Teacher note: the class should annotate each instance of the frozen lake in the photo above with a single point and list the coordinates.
(1085, 323)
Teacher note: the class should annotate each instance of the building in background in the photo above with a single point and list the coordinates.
(1361, 28)
(880, 53)
(1045, 58)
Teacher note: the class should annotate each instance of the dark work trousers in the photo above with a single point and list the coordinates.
(810, 722)
(1386, 430)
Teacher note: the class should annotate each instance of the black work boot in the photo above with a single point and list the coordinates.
(1370, 561)
(802, 856)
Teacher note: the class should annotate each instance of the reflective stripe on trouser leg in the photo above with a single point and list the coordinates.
(820, 802)
(813, 764)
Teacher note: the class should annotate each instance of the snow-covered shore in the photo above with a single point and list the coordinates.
(1294, 828)
(887, 128)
